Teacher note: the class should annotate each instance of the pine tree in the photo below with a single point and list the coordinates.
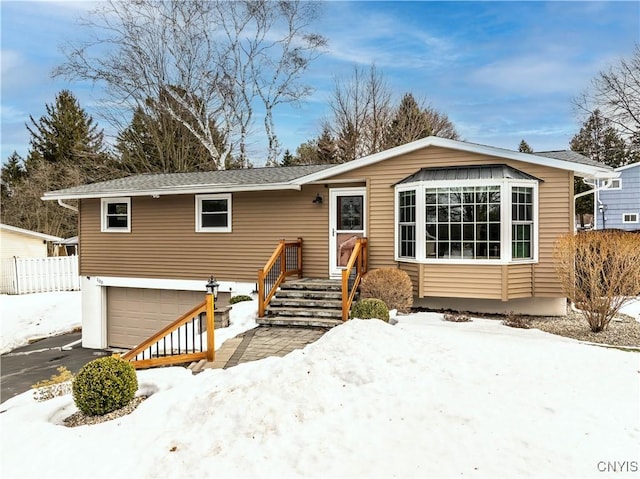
(599, 141)
(12, 173)
(288, 159)
(66, 149)
(326, 147)
(524, 147)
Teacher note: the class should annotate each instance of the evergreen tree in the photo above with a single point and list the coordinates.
(412, 122)
(599, 141)
(66, 149)
(288, 159)
(326, 147)
(524, 147)
(155, 142)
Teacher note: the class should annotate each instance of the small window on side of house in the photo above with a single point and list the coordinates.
(630, 218)
(116, 215)
(616, 184)
(213, 213)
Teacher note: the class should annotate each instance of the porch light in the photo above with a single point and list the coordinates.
(318, 200)
(212, 287)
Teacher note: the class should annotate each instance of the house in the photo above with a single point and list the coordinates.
(21, 243)
(618, 206)
(474, 227)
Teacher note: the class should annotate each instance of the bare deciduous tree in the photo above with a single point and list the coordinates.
(215, 59)
(598, 271)
(361, 111)
(616, 92)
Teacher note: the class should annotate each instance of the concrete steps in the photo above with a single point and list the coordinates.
(306, 302)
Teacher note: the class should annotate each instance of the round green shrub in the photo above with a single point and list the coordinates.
(370, 308)
(240, 298)
(104, 385)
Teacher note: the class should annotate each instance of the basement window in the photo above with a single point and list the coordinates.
(116, 215)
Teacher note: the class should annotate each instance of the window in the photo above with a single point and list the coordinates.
(616, 184)
(630, 218)
(521, 222)
(213, 213)
(407, 224)
(463, 222)
(116, 215)
(467, 220)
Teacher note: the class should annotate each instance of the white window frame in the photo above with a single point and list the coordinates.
(613, 182)
(505, 221)
(624, 220)
(213, 229)
(104, 225)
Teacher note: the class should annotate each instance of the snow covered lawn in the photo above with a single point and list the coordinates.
(31, 316)
(424, 398)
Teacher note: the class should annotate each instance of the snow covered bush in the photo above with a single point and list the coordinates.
(240, 298)
(370, 308)
(598, 270)
(104, 385)
(391, 285)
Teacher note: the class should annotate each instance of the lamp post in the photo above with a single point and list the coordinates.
(212, 296)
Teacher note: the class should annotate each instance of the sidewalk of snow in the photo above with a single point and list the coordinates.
(419, 399)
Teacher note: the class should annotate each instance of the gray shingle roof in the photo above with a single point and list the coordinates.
(476, 172)
(573, 156)
(197, 180)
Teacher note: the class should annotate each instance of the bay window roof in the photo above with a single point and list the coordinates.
(463, 173)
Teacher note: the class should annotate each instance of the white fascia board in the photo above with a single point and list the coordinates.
(626, 167)
(171, 284)
(587, 170)
(33, 234)
(182, 190)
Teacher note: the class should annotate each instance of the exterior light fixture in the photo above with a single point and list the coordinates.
(212, 287)
(318, 200)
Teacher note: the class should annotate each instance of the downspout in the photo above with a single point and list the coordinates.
(69, 207)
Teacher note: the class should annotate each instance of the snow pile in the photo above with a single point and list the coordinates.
(32, 316)
(423, 398)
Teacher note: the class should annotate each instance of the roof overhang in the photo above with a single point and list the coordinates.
(33, 234)
(578, 168)
(174, 190)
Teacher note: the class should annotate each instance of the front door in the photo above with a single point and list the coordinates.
(347, 222)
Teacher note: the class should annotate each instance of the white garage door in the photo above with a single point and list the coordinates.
(135, 314)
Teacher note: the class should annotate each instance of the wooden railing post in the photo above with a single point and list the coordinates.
(211, 348)
(299, 257)
(283, 257)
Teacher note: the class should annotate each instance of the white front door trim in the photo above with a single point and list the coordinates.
(335, 271)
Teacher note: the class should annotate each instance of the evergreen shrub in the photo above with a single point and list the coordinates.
(370, 308)
(104, 385)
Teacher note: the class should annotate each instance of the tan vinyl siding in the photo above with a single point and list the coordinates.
(519, 281)
(554, 219)
(163, 242)
(462, 281)
(413, 270)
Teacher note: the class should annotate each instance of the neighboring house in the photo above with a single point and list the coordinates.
(66, 247)
(618, 206)
(23, 243)
(473, 226)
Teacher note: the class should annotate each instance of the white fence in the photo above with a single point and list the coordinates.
(39, 275)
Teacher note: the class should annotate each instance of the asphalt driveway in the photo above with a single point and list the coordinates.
(27, 365)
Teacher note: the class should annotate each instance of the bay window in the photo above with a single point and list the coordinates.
(492, 221)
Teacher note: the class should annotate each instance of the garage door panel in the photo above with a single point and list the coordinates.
(134, 314)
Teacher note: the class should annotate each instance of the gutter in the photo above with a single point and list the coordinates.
(69, 207)
(606, 185)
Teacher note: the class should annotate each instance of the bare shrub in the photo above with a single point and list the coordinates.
(391, 285)
(456, 318)
(597, 271)
(516, 321)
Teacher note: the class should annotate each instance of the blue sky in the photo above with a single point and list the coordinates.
(501, 71)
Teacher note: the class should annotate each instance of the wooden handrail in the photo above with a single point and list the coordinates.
(206, 307)
(266, 291)
(359, 259)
